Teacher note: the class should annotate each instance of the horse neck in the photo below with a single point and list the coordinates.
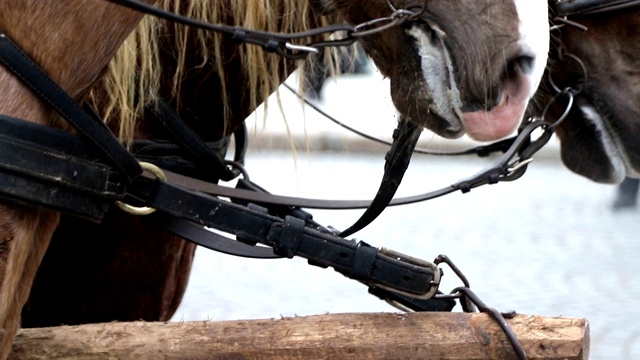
(238, 78)
(212, 82)
(72, 40)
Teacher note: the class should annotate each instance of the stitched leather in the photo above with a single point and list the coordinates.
(48, 167)
(320, 248)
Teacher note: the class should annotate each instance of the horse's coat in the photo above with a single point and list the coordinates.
(481, 46)
(25, 231)
(599, 138)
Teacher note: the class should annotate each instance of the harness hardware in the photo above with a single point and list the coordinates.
(434, 284)
(143, 210)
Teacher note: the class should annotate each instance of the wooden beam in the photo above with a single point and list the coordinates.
(334, 336)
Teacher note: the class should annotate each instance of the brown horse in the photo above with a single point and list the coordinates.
(463, 66)
(599, 137)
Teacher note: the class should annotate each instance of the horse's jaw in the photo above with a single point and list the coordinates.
(591, 147)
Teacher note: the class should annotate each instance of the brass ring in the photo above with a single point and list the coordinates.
(143, 210)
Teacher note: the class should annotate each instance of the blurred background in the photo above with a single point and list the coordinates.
(551, 243)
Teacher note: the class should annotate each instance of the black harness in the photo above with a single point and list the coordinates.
(84, 174)
(566, 8)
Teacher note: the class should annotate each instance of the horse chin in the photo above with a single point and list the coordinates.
(590, 149)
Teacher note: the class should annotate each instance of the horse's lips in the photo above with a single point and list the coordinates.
(502, 119)
(436, 94)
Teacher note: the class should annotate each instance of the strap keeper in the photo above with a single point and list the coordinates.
(239, 35)
(363, 260)
(271, 45)
(290, 237)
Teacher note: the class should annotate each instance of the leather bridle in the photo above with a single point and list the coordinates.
(286, 45)
(570, 8)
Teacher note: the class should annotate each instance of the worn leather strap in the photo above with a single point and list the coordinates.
(69, 168)
(289, 237)
(399, 300)
(214, 241)
(30, 191)
(25, 69)
(48, 167)
(588, 7)
(320, 248)
(209, 163)
(405, 139)
(363, 261)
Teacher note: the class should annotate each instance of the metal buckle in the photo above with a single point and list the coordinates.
(435, 283)
(143, 210)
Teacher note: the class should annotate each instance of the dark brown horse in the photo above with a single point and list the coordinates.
(463, 66)
(598, 60)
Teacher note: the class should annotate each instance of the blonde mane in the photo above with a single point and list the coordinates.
(133, 76)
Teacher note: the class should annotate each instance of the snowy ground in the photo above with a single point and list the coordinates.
(547, 244)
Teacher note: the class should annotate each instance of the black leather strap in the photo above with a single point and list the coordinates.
(214, 241)
(70, 169)
(289, 237)
(588, 7)
(48, 167)
(320, 248)
(209, 163)
(41, 84)
(399, 300)
(363, 260)
(30, 191)
(405, 138)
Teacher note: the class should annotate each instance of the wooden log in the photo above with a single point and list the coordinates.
(334, 336)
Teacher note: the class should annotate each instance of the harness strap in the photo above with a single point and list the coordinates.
(214, 241)
(220, 243)
(39, 158)
(42, 85)
(49, 167)
(208, 162)
(363, 261)
(320, 248)
(510, 166)
(588, 7)
(289, 235)
(405, 139)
